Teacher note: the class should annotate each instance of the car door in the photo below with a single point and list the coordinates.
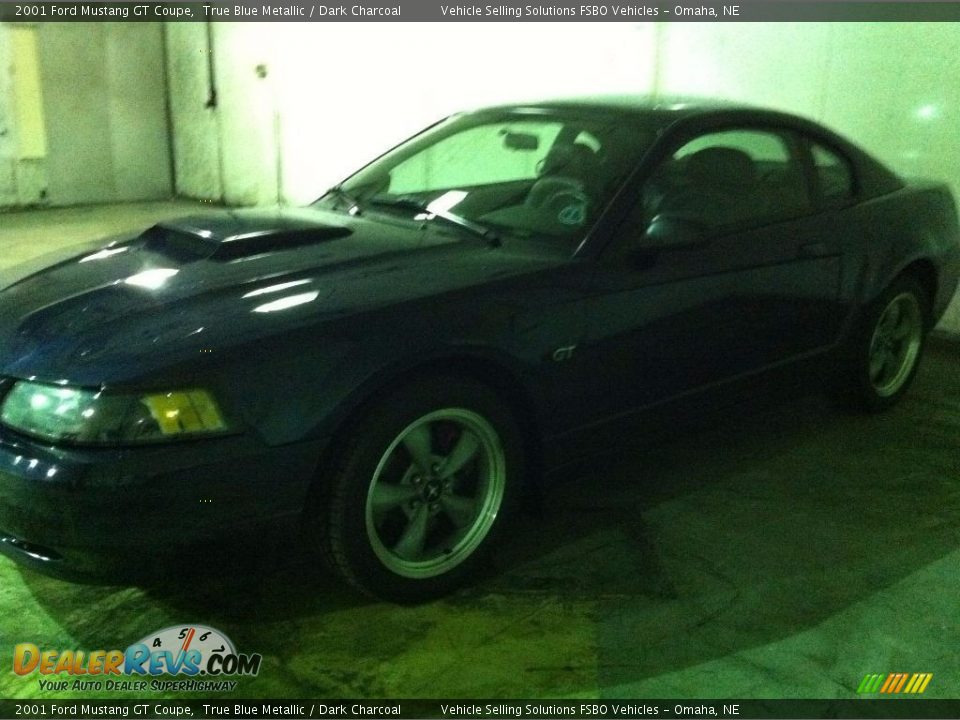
(750, 278)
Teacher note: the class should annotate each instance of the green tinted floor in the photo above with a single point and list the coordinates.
(781, 553)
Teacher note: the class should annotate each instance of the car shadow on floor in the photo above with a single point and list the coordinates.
(750, 528)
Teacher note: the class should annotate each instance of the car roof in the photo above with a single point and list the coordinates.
(670, 107)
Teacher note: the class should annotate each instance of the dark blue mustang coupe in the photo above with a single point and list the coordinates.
(387, 369)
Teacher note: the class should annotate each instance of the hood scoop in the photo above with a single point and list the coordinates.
(187, 244)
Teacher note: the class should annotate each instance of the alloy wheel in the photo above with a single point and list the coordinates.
(435, 493)
(895, 344)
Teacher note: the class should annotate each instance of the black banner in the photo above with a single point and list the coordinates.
(480, 709)
(461, 11)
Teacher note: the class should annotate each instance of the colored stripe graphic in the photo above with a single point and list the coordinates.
(870, 683)
(894, 683)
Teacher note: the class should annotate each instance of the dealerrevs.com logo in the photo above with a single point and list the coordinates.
(190, 650)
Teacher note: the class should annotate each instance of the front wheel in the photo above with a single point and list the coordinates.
(887, 348)
(421, 490)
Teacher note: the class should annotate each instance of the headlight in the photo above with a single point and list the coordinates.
(58, 413)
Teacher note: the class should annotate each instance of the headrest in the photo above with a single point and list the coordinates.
(576, 160)
(721, 166)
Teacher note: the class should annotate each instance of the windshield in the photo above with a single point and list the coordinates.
(531, 173)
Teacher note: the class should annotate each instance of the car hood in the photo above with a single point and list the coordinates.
(204, 283)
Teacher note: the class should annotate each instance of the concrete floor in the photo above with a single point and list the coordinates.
(784, 552)
(26, 235)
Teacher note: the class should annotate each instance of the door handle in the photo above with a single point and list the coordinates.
(814, 250)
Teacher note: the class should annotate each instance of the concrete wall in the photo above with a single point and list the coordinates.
(84, 107)
(22, 134)
(104, 96)
(196, 136)
(8, 184)
(302, 105)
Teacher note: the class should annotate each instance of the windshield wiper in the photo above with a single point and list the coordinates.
(412, 203)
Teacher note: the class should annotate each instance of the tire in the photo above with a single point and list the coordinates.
(886, 347)
(420, 490)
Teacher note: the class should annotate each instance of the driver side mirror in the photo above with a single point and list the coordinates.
(666, 232)
(672, 232)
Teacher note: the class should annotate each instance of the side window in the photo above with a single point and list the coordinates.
(729, 178)
(834, 175)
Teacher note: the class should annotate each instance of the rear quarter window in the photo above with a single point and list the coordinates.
(834, 175)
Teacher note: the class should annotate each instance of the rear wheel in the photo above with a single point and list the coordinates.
(887, 348)
(421, 490)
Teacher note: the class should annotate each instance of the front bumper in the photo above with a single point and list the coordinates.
(89, 514)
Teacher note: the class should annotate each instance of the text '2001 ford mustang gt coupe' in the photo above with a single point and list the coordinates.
(387, 368)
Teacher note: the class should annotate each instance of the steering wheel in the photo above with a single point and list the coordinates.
(552, 191)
